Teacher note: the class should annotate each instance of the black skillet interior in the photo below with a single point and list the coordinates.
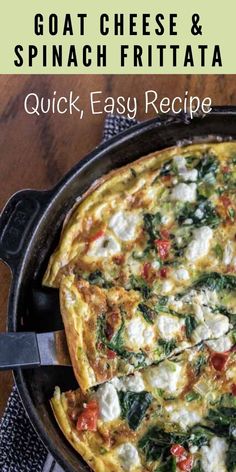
(29, 234)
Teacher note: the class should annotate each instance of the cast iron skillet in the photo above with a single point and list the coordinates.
(29, 227)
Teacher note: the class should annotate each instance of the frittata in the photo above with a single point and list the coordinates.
(112, 332)
(146, 268)
(179, 415)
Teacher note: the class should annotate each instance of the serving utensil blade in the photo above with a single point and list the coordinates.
(27, 350)
(53, 348)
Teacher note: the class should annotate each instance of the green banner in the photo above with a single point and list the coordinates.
(117, 37)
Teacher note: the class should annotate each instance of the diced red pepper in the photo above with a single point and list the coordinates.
(165, 234)
(233, 389)
(109, 331)
(183, 459)
(163, 247)
(219, 360)
(163, 272)
(112, 323)
(87, 420)
(186, 464)
(166, 178)
(97, 235)
(225, 200)
(113, 317)
(177, 450)
(119, 259)
(111, 354)
(225, 169)
(146, 270)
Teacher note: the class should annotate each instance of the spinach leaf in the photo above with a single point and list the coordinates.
(218, 250)
(137, 283)
(166, 169)
(186, 212)
(190, 325)
(96, 278)
(222, 419)
(116, 343)
(231, 457)
(198, 467)
(156, 443)
(167, 346)
(232, 318)
(134, 406)
(133, 172)
(209, 215)
(228, 400)
(222, 309)
(231, 213)
(199, 364)
(138, 359)
(191, 396)
(200, 436)
(178, 251)
(207, 165)
(139, 256)
(161, 304)
(151, 224)
(101, 326)
(168, 466)
(163, 301)
(148, 314)
(216, 281)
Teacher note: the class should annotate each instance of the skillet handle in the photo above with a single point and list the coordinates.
(17, 222)
(18, 350)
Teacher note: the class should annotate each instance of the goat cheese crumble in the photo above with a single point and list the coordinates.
(105, 246)
(128, 456)
(124, 225)
(222, 344)
(184, 192)
(184, 417)
(108, 401)
(138, 333)
(132, 383)
(200, 244)
(165, 376)
(169, 326)
(213, 457)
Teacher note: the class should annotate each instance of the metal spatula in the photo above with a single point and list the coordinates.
(27, 350)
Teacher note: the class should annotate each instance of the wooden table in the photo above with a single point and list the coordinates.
(37, 151)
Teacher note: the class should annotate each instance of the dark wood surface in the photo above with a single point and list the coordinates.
(36, 151)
